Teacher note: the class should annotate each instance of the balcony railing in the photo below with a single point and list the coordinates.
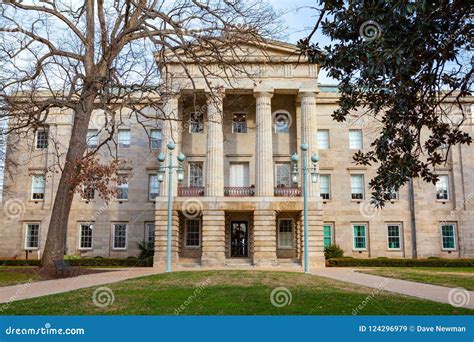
(239, 191)
(190, 191)
(288, 192)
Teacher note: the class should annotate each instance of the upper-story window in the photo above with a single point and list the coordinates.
(156, 139)
(124, 136)
(41, 139)
(357, 187)
(323, 138)
(92, 138)
(122, 190)
(393, 195)
(282, 122)
(88, 194)
(195, 174)
(196, 123)
(153, 187)
(442, 188)
(37, 187)
(355, 139)
(282, 175)
(239, 123)
(325, 186)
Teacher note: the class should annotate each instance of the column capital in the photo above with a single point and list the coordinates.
(306, 93)
(258, 93)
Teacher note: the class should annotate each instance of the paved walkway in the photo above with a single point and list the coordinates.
(13, 293)
(410, 288)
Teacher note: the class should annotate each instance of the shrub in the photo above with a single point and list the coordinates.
(333, 251)
(20, 262)
(147, 250)
(382, 262)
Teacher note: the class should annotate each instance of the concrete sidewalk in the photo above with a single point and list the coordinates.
(459, 297)
(13, 293)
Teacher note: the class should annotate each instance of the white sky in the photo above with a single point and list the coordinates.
(300, 18)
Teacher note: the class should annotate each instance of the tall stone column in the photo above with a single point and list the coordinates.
(171, 133)
(264, 147)
(215, 147)
(213, 238)
(161, 235)
(264, 235)
(309, 129)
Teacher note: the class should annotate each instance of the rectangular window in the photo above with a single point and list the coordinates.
(393, 195)
(239, 123)
(327, 231)
(448, 236)
(283, 175)
(92, 138)
(285, 233)
(359, 236)
(196, 178)
(355, 139)
(32, 236)
(196, 123)
(153, 187)
(323, 138)
(150, 232)
(85, 235)
(124, 138)
(394, 236)
(156, 139)
(88, 194)
(193, 233)
(325, 186)
(120, 236)
(122, 190)
(239, 174)
(41, 137)
(357, 187)
(37, 187)
(442, 188)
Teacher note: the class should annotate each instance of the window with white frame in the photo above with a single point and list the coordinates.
(357, 187)
(122, 189)
(393, 195)
(394, 232)
(193, 233)
(285, 233)
(448, 236)
(120, 235)
(88, 193)
(327, 233)
(196, 176)
(282, 122)
(360, 236)
(156, 139)
(85, 235)
(442, 188)
(283, 175)
(196, 123)
(92, 138)
(37, 187)
(355, 139)
(124, 136)
(325, 186)
(323, 138)
(153, 187)
(41, 139)
(150, 232)
(32, 236)
(239, 123)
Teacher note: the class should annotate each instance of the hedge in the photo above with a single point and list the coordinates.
(387, 262)
(130, 262)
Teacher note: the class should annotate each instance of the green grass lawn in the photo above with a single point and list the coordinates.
(16, 275)
(231, 293)
(446, 276)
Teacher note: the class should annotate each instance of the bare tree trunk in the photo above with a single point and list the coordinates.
(55, 243)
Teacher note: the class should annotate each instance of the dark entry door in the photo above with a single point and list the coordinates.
(239, 239)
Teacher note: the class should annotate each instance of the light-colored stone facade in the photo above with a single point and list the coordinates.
(271, 214)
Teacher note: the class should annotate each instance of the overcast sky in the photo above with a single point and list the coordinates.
(300, 19)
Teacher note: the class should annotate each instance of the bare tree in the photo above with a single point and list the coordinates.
(103, 55)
